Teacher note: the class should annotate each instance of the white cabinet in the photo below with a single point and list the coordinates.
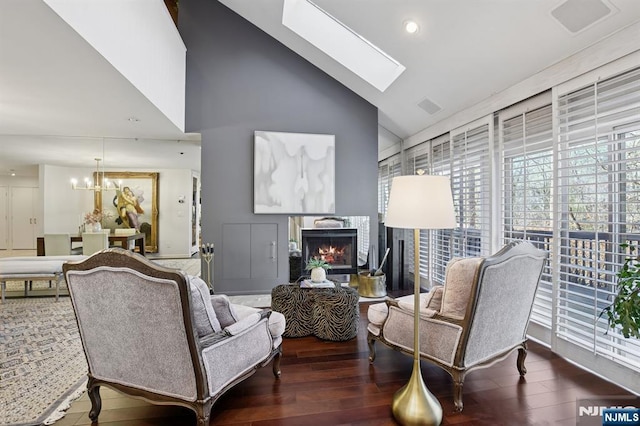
(4, 218)
(24, 223)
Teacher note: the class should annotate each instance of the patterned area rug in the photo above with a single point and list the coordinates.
(42, 365)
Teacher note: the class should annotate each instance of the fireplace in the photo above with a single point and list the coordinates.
(337, 246)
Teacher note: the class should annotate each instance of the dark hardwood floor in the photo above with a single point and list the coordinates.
(332, 383)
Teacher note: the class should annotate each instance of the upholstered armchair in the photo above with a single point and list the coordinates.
(155, 333)
(477, 318)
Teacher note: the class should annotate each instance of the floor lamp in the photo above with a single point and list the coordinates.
(418, 202)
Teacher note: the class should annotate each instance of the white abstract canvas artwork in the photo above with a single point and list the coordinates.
(294, 173)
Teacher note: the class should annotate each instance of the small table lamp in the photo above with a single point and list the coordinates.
(418, 202)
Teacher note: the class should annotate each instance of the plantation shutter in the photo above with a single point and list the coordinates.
(387, 170)
(417, 158)
(440, 247)
(527, 187)
(471, 187)
(599, 206)
(362, 224)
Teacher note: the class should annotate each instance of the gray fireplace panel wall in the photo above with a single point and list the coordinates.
(250, 251)
(239, 80)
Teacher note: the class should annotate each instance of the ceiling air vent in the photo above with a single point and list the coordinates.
(429, 106)
(576, 15)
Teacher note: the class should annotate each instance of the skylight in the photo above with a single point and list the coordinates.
(341, 43)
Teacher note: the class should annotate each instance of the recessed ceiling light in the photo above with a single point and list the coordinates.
(12, 173)
(411, 27)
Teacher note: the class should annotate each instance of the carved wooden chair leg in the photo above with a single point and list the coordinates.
(522, 355)
(372, 350)
(276, 362)
(458, 379)
(96, 401)
(203, 412)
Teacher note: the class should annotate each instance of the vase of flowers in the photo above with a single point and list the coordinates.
(93, 220)
(318, 268)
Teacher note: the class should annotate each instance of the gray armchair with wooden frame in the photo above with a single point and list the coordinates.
(157, 334)
(477, 318)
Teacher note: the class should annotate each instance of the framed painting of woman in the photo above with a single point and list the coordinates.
(131, 202)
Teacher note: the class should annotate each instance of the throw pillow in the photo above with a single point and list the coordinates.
(225, 312)
(433, 299)
(205, 318)
(457, 287)
(246, 322)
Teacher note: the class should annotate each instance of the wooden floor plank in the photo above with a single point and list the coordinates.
(332, 383)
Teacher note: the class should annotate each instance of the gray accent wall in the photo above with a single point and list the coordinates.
(239, 79)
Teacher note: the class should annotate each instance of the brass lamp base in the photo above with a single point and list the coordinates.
(413, 404)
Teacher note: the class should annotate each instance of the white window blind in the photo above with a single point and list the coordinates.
(526, 150)
(387, 170)
(568, 180)
(418, 158)
(471, 188)
(599, 206)
(362, 224)
(440, 247)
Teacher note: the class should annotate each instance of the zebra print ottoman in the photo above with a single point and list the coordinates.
(327, 313)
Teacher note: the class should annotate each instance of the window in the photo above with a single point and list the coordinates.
(568, 180)
(362, 224)
(464, 156)
(471, 187)
(599, 206)
(417, 158)
(526, 142)
(387, 170)
(344, 45)
(440, 252)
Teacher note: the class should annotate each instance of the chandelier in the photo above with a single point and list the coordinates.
(99, 183)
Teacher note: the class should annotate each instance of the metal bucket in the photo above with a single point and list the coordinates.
(372, 285)
(353, 280)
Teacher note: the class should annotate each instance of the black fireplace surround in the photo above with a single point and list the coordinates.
(337, 246)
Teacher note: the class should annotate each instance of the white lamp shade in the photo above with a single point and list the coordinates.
(420, 202)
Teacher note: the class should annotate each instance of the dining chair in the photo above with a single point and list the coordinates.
(126, 231)
(57, 244)
(93, 242)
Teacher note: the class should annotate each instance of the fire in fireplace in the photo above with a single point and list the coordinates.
(337, 246)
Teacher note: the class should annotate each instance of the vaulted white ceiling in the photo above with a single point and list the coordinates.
(53, 83)
(59, 97)
(464, 52)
